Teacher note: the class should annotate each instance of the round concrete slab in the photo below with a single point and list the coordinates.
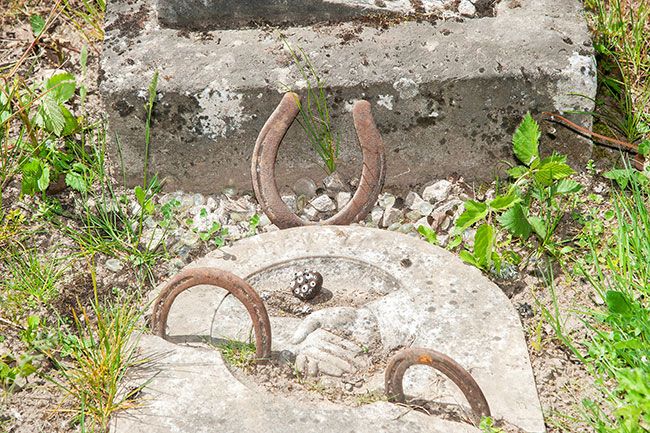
(380, 284)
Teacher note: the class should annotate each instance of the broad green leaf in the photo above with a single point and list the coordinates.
(525, 141)
(44, 181)
(62, 86)
(517, 171)
(644, 147)
(484, 244)
(428, 234)
(54, 118)
(38, 24)
(468, 258)
(552, 170)
(31, 171)
(538, 226)
(617, 302)
(76, 181)
(515, 221)
(567, 186)
(501, 202)
(70, 122)
(139, 195)
(474, 211)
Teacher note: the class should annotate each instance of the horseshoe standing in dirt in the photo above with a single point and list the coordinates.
(373, 173)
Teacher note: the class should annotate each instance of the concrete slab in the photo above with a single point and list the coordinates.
(446, 94)
(385, 286)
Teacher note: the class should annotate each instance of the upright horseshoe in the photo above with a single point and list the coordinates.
(238, 287)
(415, 356)
(373, 172)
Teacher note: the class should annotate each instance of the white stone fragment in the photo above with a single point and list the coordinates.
(467, 8)
(437, 192)
(342, 199)
(323, 203)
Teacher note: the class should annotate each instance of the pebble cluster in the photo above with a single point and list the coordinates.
(186, 223)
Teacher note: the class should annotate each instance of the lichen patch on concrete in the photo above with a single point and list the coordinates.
(221, 109)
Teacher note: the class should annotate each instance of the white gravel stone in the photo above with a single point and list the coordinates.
(413, 215)
(264, 221)
(413, 200)
(425, 208)
(311, 213)
(190, 239)
(334, 183)
(305, 186)
(323, 203)
(467, 8)
(342, 199)
(114, 265)
(376, 215)
(386, 200)
(391, 216)
(421, 222)
(394, 227)
(290, 201)
(437, 192)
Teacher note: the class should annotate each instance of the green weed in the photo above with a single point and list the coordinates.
(238, 354)
(315, 117)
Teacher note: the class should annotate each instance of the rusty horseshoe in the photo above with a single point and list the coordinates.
(232, 283)
(406, 358)
(373, 172)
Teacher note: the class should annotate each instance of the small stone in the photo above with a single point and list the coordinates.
(342, 199)
(386, 200)
(290, 201)
(264, 221)
(413, 200)
(229, 191)
(236, 217)
(437, 192)
(425, 208)
(174, 265)
(114, 265)
(184, 252)
(211, 203)
(305, 186)
(354, 182)
(190, 238)
(391, 216)
(333, 183)
(424, 221)
(198, 199)
(151, 239)
(348, 386)
(311, 213)
(376, 215)
(413, 215)
(301, 203)
(466, 8)
(323, 203)
(406, 228)
(394, 227)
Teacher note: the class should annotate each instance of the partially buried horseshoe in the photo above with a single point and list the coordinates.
(373, 173)
(232, 283)
(406, 358)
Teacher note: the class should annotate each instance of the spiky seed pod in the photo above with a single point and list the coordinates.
(306, 285)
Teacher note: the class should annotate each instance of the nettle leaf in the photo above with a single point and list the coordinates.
(38, 24)
(617, 302)
(474, 211)
(428, 234)
(525, 141)
(644, 147)
(567, 186)
(76, 181)
(484, 244)
(44, 181)
(53, 115)
(515, 221)
(538, 226)
(61, 86)
(552, 170)
(468, 258)
(517, 171)
(502, 202)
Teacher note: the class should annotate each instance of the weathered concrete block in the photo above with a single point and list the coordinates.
(446, 94)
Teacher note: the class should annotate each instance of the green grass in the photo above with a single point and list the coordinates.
(237, 353)
(314, 117)
(621, 30)
(102, 350)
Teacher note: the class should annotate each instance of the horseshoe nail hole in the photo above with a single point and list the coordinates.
(406, 262)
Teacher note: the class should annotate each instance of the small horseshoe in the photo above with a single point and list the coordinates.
(406, 358)
(215, 277)
(373, 172)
